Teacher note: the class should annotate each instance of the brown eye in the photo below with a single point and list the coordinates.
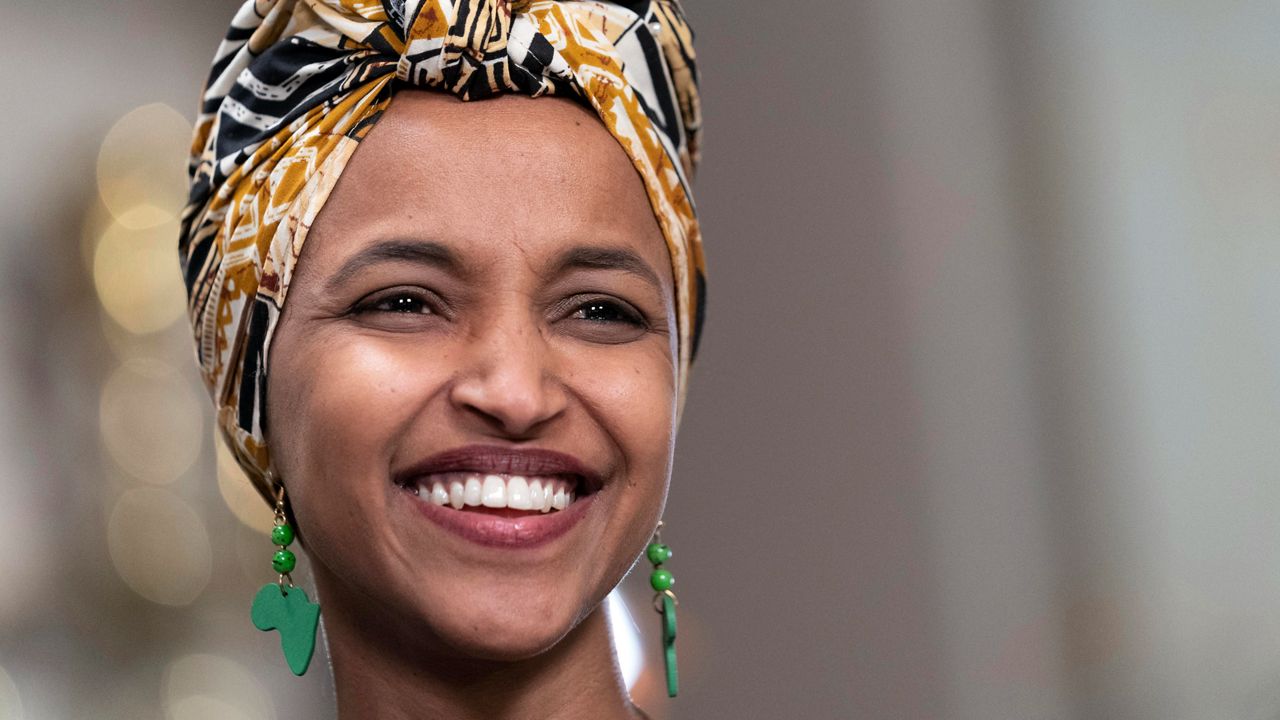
(403, 304)
(603, 320)
(607, 311)
(400, 309)
(401, 301)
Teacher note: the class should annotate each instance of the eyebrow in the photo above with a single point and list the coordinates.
(599, 258)
(421, 252)
(438, 255)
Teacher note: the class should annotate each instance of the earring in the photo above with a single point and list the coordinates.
(665, 603)
(283, 606)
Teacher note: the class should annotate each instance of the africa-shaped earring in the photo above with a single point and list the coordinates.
(283, 606)
(665, 603)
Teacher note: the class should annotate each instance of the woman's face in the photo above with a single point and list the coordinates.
(483, 312)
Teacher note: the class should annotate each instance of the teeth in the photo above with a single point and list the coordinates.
(439, 495)
(518, 494)
(461, 490)
(494, 492)
(535, 494)
(471, 495)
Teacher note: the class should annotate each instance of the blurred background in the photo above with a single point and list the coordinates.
(985, 423)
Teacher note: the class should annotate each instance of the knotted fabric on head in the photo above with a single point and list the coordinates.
(295, 86)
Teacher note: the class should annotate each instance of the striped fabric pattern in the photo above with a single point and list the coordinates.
(296, 84)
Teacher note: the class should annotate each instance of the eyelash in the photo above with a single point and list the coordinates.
(374, 304)
(623, 313)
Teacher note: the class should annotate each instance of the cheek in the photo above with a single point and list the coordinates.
(631, 393)
(344, 401)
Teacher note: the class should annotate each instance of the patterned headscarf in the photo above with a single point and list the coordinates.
(295, 86)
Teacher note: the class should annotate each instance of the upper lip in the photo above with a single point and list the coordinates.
(499, 460)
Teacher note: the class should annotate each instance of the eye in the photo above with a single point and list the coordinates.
(400, 309)
(607, 311)
(603, 320)
(402, 303)
(402, 300)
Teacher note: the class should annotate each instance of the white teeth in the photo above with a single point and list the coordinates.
(518, 493)
(460, 490)
(439, 496)
(471, 493)
(494, 492)
(535, 494)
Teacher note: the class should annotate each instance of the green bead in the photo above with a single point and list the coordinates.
(661, 580)
(284, 561)
(281, 535)
(658, 554)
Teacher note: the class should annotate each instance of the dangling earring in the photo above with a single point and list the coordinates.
(283, 606)
(665, 603)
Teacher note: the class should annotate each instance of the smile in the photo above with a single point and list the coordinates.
(472, 490)
(498, 496)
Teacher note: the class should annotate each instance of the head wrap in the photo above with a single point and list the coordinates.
(295, 86)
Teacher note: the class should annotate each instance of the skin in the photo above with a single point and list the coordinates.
(374, 370)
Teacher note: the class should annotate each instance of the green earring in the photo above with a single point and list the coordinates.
(283, 606)
(665, 603)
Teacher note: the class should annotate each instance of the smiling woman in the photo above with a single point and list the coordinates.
(477, 359)
(477, 429)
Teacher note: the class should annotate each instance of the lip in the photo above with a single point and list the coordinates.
(528, 531)
(525, 531)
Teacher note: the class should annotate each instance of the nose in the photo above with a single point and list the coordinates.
(507, 384)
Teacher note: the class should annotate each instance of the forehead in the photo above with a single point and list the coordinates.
(540, 173)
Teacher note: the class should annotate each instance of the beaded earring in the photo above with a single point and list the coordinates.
(283, 606)
(665, 603)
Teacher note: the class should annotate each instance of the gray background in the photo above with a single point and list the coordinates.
(983, 424)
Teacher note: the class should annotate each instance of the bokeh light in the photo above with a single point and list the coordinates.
(210, 687)
(141, 166)
(95, 222)
(238, 493)
(137, 276)
(151, 421)
(159, 546)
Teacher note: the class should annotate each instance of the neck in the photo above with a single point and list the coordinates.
(377, 675)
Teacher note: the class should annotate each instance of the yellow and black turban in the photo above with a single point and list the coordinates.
(295, 86)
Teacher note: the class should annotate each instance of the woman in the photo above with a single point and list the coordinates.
(477, 375)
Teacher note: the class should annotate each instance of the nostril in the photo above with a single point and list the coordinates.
(512, 407)
(511, 424)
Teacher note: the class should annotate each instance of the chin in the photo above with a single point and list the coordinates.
(494, 614)
(509, 637)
